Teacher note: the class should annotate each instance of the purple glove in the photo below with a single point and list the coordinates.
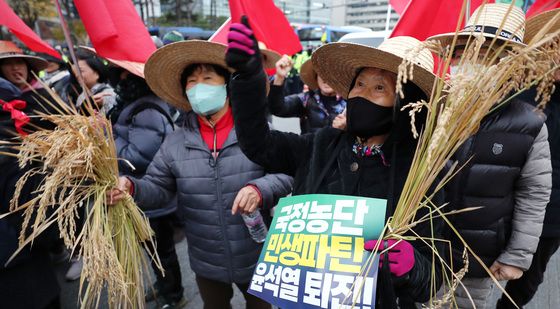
(400, 256)
(243, 52)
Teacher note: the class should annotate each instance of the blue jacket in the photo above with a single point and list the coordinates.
(138, 137)
(220, 247)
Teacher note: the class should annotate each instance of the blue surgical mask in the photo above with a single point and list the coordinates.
(207, 99)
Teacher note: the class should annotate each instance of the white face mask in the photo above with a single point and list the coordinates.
(467, 69)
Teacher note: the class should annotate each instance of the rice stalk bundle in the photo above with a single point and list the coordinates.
(460, 102)
(78, 164)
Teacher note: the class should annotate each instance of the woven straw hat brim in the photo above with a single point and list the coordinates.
(540, 21)
(165, 67)
(308, 75)
(507, 18)
(36, 63)
(136, 68)
(338, 64)
(270, 58)
(446, 39)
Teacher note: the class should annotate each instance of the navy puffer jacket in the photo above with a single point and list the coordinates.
(220, 247)
(138, 136)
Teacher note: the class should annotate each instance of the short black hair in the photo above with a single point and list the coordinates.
(95, 64)
(189, 70)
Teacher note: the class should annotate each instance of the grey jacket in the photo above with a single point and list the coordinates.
(138, 138)
(508, 174)
(108, 102)
(220, 247)
(533, 188)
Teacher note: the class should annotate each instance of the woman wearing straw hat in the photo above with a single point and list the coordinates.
(523, 289)
(29, 280)
(371, 158)
(315, 109)
(510, 172)
(202, 163)
(19, 69)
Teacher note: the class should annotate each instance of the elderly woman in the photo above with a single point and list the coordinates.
(371, 158)
(31, 269)
(202, 163)
(19, 69)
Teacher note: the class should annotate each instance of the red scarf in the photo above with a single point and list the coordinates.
(16, 107)
(222, 127)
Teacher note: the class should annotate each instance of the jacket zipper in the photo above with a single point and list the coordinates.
(215, 155)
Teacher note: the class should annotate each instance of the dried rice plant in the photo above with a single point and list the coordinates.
(78, 165)
(491, 73)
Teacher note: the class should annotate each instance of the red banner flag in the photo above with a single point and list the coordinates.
(10, 20)
(269, 24)
(115, 29)
(424, 18)
(541, 6)
(399, 5)
(220, 36)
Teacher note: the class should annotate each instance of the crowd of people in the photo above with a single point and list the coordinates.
(192, 129)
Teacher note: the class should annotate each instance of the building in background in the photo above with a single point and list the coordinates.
(217, 8)
(306, 11)
(362, 13)
(373, 14)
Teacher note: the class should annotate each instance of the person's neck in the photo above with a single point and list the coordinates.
(216, 117)
(327, 94)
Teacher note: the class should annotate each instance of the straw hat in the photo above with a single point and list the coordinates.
(493, 20)
(270, 57)
(540, 21)
(136, 68)
(165, 66)
(308, 75)
(9, 50)
(338, 63)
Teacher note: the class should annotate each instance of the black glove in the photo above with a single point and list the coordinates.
(243, 53)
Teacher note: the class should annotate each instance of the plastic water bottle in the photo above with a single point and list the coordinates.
(255, 223)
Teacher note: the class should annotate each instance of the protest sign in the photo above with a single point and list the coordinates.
(314, 252)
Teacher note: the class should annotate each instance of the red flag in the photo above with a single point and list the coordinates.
(541, 6)
(10, 20)
(115, 29)
(424, 18)
(269, 24)
(399, 5)
(220, 36)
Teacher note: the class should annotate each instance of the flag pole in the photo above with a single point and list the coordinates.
(388, 16)
(68, 39)
(468, 11)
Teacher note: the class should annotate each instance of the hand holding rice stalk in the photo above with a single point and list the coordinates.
(79, 164)
(491, 72)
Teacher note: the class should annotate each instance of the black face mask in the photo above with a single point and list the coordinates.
(366, 119)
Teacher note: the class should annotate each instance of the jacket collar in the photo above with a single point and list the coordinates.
(193, 139)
